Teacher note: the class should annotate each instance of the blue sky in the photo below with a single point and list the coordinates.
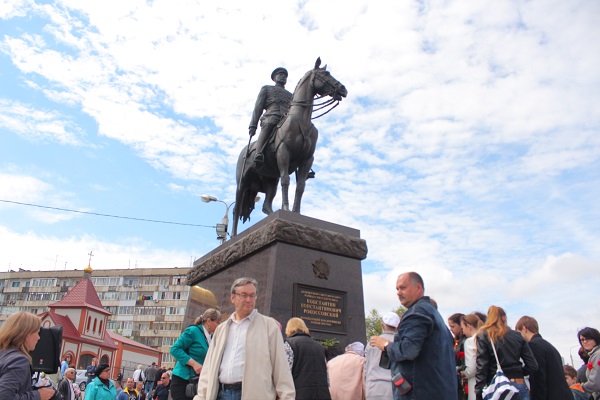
(468, 148)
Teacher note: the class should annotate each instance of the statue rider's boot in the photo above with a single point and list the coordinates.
(259, 158)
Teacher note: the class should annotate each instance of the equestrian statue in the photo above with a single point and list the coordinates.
(287, 140)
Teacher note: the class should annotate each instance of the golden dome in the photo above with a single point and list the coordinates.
(203, 296)
(88, 269)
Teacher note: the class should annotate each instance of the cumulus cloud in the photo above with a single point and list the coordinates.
(468, 148)
(38, 125)
(53, 252)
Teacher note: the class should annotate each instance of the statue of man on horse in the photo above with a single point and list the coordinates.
(275, 100)
(287, 145)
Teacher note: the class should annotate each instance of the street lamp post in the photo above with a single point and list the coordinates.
(223, 226)
(571, 354)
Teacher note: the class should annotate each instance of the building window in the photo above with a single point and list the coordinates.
(16, 284)
(128, 295)
(126, 310)
(43, 282)
(168, 341)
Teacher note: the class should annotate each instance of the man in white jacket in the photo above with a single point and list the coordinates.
(378, 381)
(246, 358)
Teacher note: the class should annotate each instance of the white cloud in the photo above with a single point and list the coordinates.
(35, 125)
(19, 188)
(54, 250)
(467, 149)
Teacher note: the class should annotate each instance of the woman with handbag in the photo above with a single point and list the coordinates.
(496, 340)
(190, 350)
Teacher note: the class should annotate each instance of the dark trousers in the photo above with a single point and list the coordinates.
(178, 388)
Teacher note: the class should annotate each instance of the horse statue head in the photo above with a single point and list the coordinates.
(324, 84)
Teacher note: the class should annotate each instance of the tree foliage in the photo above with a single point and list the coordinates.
(373, 321)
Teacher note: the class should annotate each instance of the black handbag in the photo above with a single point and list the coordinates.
(191, 389)
(384, 361)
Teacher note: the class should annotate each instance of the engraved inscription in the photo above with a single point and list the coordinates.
(321, 309)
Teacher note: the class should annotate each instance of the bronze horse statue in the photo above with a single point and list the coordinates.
(290, 149)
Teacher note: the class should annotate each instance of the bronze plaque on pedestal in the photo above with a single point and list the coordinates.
(322, 310)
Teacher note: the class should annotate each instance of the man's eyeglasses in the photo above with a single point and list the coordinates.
(245, 296)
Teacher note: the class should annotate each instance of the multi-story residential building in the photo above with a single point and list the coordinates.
(147, 305)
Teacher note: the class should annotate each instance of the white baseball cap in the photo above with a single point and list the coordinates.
(391, 319)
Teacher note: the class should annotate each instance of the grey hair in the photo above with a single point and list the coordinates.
(243, 282)
(212, 313)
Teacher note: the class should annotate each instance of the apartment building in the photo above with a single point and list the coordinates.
(147, 305)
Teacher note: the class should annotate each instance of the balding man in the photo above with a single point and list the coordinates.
(129, 393)
(65, 386)
(163, 388)
(423, 347)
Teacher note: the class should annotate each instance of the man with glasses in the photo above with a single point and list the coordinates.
(65, 386)
(163, 388)
(246, 354)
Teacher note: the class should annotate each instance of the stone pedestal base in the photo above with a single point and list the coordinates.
(305, 268)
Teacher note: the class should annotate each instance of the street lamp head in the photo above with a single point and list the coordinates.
(207, 198)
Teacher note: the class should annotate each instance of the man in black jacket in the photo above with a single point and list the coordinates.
(65, 386)
(548, 383)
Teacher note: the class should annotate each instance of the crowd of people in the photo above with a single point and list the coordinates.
(461, 360)
(418, 356)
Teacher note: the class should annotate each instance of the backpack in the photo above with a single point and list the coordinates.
(500, 388)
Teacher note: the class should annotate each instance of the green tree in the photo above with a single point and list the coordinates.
(373, 321)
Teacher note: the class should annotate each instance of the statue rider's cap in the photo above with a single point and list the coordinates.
(277, 71)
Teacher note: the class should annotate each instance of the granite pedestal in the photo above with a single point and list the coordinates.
(305, 268)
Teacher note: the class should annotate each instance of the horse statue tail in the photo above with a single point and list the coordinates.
(245, 193)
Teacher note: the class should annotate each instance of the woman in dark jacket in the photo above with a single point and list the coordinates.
(18, 336)
(454, 322)
(309, 368)
(511, 348)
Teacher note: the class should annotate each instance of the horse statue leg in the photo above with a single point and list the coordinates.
(301, 177)
(270, 186)
(283, 163)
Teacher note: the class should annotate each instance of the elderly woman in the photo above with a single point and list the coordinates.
(346, 373)
(190, 351)
(309, 368)
(101, 387)
(589, 339)
(18, 336)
